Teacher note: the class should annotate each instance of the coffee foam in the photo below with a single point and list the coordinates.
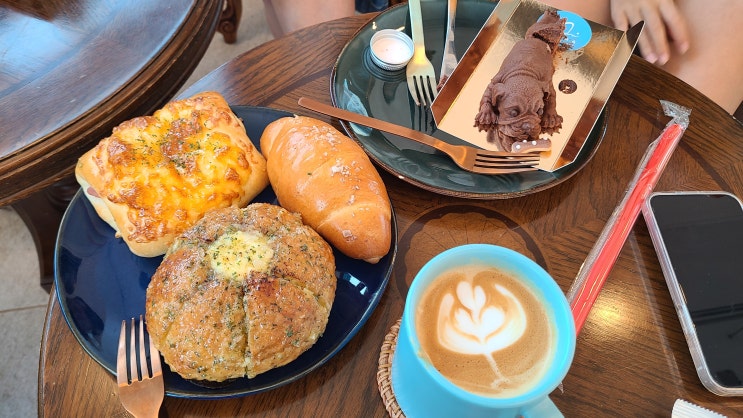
(480, 320)
(489, 335)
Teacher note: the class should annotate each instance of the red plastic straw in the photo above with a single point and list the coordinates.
(603, 255)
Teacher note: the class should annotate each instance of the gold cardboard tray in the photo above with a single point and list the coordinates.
(591, 67)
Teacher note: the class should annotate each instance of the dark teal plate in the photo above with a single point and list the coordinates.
(359, 86)
(100, 282)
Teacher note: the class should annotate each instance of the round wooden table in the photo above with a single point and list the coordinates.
(631, 358)
(70, 72)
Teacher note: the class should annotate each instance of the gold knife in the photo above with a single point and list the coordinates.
(449, 61)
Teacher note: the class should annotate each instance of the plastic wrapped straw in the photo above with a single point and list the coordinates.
(601, 258)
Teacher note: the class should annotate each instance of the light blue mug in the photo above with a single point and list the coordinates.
(422, 391)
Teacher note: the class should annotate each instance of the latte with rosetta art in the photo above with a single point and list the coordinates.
(485, 331)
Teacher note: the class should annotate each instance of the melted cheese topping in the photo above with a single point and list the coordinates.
(235, 254)
(174, 153)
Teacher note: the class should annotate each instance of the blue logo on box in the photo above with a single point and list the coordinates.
(577, 30)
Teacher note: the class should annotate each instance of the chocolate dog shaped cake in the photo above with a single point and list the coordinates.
(519, 102)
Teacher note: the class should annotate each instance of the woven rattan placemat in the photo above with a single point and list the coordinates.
(384, 381)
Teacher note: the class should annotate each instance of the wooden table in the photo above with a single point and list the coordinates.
(631, 358)
(69, 72)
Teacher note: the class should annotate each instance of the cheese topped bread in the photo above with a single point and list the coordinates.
(155, 176)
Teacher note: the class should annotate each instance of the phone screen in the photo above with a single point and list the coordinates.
(702, 234)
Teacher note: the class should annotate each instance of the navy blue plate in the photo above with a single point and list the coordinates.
(100, 282)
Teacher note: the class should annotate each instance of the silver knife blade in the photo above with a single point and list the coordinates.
(449, 61)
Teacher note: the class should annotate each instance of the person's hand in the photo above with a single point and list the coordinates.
(664, 25)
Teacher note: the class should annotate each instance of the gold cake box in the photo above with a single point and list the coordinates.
(585, 75)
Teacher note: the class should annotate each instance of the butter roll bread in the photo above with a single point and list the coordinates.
(326, 177)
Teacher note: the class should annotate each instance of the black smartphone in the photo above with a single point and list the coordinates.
(699, 240)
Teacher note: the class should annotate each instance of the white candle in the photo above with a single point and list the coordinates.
(392, 48)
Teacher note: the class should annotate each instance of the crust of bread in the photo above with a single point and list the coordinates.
(215, 320)
(155, 176)
(327, 177)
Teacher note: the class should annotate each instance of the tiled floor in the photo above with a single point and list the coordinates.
(22, 301)
(22, 308)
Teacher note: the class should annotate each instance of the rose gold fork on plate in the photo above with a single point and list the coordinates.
(138, 372)
(468, 158)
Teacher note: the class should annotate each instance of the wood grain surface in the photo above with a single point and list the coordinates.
(72, 70)
(631, 357)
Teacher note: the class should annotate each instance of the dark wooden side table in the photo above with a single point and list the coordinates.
(70, 72)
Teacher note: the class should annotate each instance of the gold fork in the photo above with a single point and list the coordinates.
(420, 73)
(468, 158)
(141, 387)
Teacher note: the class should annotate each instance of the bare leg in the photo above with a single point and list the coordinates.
(286, 16)
(272, 20)
(712, 64)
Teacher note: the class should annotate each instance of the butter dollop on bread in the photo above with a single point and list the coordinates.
(156, 175)
(327, 177)
(241, 292)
